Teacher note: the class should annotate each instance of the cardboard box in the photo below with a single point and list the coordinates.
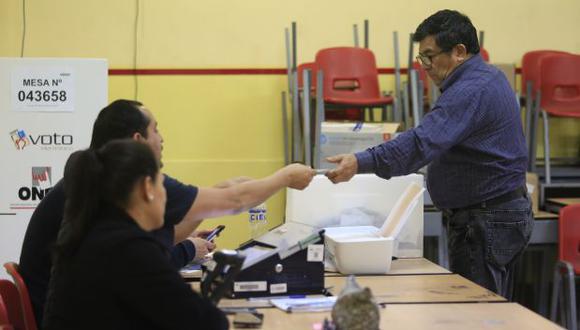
(532, 184)
(509, 69)
(345, 138)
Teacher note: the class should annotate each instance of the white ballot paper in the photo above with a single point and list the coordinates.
(311, 305)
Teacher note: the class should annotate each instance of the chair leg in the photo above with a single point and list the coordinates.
(574, 307)
(570, 295)
(547, 165)
(563, 307)
(384, 114)
(394, 115)
(564, 280)
(534, 131)
(371, 114)
(555, 293)
(543, 286)
(529, 114)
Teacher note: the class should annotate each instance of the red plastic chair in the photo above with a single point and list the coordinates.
(560, 94)
(484, 54)
(568, 265)
(530, 85)
(351, 79)
(26, 305)
(313, 77)
(10, 311)
(4, 320)
(560, 85)
(531, 68)
(569, 236)
(347, 114)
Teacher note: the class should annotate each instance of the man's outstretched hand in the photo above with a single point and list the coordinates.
(345, 169)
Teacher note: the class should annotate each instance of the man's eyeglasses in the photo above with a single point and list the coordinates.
(427, 60)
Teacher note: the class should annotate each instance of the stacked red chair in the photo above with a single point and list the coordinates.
(351, 79)
(559, 81)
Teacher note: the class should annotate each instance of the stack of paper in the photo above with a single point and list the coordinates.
(291, 305)
(191, 271)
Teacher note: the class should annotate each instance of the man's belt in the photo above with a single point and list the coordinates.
(509, 196)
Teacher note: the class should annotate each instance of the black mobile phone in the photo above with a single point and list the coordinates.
(214, 233)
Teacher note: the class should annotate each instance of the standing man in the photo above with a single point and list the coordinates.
(474, 144)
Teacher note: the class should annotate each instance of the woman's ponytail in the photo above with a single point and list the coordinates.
(95, 180)
(83, 176)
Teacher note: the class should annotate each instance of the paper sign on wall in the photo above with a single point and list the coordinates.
(41, 89)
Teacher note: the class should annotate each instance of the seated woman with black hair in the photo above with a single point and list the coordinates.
(109, 272)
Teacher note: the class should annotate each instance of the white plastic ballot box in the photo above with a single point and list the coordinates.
(365, 197)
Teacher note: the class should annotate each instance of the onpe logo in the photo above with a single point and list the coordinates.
(41, 184)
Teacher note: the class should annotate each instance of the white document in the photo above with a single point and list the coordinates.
(256, 254)
(312, 305)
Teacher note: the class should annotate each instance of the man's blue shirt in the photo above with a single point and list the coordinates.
(472, 139)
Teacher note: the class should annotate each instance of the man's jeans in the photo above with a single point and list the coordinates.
(485, 243)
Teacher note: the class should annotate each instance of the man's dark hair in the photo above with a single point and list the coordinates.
(119, 120)
(450, 28)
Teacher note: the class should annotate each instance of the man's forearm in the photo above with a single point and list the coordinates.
(254, 192)
(217, 202)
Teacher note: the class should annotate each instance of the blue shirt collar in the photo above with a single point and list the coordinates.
(475, 60)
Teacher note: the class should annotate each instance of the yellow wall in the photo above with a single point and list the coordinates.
(221, 126)
(233, 33)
